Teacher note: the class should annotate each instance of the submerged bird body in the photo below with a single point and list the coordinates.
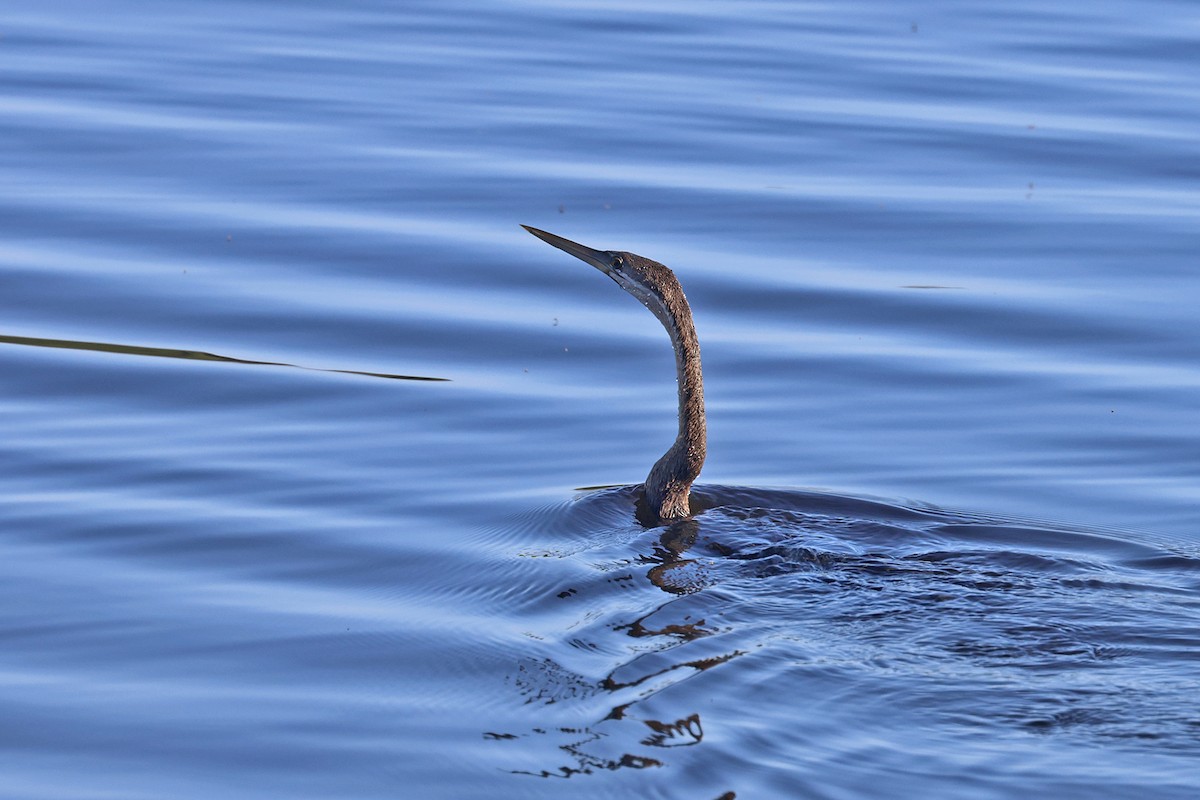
(670, 480)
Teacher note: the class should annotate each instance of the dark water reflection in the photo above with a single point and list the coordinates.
(931, 630)
(193, 355)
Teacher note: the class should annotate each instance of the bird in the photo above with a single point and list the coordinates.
(667, 488)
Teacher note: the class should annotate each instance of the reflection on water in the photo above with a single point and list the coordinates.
(947, 625)
(192, 355)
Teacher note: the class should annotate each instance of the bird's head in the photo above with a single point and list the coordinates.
(648, 281)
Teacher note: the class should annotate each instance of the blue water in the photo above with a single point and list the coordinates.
(942, 258)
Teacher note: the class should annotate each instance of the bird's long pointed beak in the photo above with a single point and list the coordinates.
(597, 258)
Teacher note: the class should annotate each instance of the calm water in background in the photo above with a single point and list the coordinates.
(935, 251)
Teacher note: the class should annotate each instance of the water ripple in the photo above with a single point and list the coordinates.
(965, 623)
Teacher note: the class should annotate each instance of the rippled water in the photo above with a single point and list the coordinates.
(940, 252)
(834, 646)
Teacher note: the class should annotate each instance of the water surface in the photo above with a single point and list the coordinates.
(942, 260)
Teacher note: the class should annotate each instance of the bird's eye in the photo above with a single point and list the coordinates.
(618, 262)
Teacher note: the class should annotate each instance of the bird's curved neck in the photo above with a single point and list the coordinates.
(670, 479)
(688, 374)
